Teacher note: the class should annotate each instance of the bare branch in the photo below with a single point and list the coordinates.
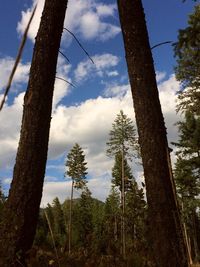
(64, 56)
(59, 78)
(79, 44)
(17, 58)
(168, 42)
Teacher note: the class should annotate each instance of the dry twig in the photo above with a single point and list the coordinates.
(168, 42)
(79, 44)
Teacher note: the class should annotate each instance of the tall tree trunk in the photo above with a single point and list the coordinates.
(123, 209)
(70, 218)
(22, 207)
(167, 239)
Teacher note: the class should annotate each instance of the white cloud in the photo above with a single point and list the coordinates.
(85, 17)
(21, 74)
(112, 73)
(106, 10)
(88, 124)
(10, 116)
(102, 64)
(10, 120)
(160, 76)
(35, 22)
(61, 88)
(62, 190)
(116, 90)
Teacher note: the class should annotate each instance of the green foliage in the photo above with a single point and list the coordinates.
(135, 212)
(187, 52)
(59, 223)
(76, 166)
(189, 141)
(187, 176)
(83, 220)
(112, 222)
(122, 136)
(117, 173)
(2, 202)
(187, 169)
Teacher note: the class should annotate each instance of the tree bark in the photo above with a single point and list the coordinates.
(70, 218)
(22, 207)
(166, 238)
(123, 209)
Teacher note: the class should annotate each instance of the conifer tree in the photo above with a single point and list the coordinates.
(77, 171)
(187, 70)
(59, 225)
(84, 219)
(112, 223)
(135, 217)
(117, 173)
(22, 207)
(187, 176)
(121, 145)
(166, 234)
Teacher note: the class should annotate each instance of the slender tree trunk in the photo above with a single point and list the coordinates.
(195, 241)
(167, 239)
(22, 207)
(187, 243)
(115, 228)
(70, 218)
(123, 209)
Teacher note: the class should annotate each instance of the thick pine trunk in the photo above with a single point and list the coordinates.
(22, 207)
(166, 239)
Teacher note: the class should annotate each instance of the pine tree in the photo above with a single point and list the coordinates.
(59, 224)
(77, 171)
(121, 144)
(187, 71)
(164, 220)
(187, 175)
(2, 202)
(117, 173)
(135, 216)
(84, 219)
(112, 222)
(22, 207)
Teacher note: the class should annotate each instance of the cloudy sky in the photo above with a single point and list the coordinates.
(84, 114)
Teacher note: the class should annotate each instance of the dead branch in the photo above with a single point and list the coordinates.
(62, 79)
(64, 56)
(168, 42)
(79, 44)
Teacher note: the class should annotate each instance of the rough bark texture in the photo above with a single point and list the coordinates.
(166, 236)
(22, 207)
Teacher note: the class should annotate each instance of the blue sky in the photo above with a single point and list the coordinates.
(84, 114)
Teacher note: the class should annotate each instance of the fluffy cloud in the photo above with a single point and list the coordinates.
(62, 189)
(116, 90)
(102, 65)
(85, 17)
(10, 120)
(61, 88)
(88, 124)
(10, 116)
(21, 74)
